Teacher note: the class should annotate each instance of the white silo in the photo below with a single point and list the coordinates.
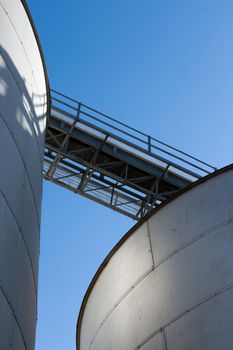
(168, 284)
(23, 108)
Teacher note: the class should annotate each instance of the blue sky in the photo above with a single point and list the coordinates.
(162, 66)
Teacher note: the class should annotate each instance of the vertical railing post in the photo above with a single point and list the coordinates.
(149, 144)
(78, 110)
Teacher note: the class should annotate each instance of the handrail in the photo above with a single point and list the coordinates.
(140, 149)
(79, 108)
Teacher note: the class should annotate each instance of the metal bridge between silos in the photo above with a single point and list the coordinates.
(107, 161)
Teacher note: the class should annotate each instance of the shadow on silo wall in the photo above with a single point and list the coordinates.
(23, 107)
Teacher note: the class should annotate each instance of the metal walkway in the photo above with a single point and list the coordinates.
(111, 163)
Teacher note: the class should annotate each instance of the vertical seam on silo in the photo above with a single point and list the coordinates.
(164, 339)
(24, 241)
(180, 315)
(149, 237)
(26, 169)
(193, 240)
(14, 314)
(213, 229)
(148, 273)
(119, 301)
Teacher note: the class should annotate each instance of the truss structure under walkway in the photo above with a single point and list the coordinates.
(111, 163)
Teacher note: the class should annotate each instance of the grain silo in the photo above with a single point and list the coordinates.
(168, 284)
(23, 109)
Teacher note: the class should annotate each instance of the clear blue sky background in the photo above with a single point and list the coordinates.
(163, 66)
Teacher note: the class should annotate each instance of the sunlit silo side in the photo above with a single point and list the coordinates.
(23, 109)
(168, 284)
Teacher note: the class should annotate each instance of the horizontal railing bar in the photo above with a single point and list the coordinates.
(133, 136)
(68, 98)
(114, 127)
(64, 103)
(115, 120)
(184, 153)
(103, 114)
(128, 143)
(181, 159)
(97, 119)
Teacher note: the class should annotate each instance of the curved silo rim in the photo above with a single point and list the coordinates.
(26, 8)
(128, 234)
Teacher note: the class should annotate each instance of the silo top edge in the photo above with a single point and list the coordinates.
(129, 233)
(26, 8)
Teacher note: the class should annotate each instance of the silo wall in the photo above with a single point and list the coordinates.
(23, 109)
(168, 284)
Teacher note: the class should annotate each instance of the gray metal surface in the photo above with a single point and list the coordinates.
(111, 163)
(138, 262)
(157, 342)
(23, 110)
(181, 296)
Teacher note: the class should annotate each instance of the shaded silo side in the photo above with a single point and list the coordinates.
(168, 284)
(23, 110)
